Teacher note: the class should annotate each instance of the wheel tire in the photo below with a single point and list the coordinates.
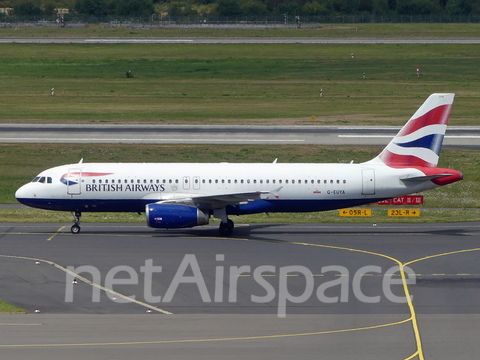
(226, 229)
(75, 229)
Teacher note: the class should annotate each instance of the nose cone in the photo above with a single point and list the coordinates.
(22, 193)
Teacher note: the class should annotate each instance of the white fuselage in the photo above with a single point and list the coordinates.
(128, 187)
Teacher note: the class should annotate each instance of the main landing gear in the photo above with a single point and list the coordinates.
(226, 226)
(226, 229)
(75, 229)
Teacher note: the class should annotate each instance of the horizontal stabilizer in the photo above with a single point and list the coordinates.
(425, 177)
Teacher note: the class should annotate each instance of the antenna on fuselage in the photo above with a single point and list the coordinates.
(81, 161)
(275, 161)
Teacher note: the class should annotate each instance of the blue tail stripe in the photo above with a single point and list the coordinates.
(432, 142)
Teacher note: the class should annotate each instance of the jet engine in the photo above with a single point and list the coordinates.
(172, 216)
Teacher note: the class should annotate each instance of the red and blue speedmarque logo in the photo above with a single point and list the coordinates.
(73, 178)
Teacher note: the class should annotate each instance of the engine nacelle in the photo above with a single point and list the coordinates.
(171, 216)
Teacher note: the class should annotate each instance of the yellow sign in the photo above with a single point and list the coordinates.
(355, 212)
(404, 212)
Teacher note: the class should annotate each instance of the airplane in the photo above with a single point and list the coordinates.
(183, 195)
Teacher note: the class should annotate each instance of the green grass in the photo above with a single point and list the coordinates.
(186, 83)
(324, 30)
(379, 215)
(10, 309)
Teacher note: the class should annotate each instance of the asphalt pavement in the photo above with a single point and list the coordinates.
(226, 293)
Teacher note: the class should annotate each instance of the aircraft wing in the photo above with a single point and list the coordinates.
(218, 201)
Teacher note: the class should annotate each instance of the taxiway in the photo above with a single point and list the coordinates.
(441, 321)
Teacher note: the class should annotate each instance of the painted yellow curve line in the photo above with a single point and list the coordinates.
(209, 340)
(401, 266)
(443, 254)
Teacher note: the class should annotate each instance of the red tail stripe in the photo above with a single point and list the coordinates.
(401, 161)
(436, 116)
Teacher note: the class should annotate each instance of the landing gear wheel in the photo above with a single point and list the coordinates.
(226, 229)
(75, 229)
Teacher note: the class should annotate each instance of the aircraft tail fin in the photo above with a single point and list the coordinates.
(419, 142)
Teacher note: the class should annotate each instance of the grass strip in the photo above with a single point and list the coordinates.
(390, 30)
(10, 309)
(231, 84)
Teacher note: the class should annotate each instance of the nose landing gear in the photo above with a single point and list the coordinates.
(75, 229)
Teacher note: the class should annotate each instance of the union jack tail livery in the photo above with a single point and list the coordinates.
(419, 142)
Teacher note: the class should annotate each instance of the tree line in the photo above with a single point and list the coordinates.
(242, 8)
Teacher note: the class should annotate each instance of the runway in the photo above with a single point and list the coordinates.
(456, 136)
(235, 40)
(226, 294)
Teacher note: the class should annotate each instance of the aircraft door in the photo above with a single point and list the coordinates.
(196, 183)
(368, 182)
(74, 182)
(186, 182)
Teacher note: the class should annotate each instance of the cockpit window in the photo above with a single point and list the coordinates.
(49, 180)
(36, 179)
(42, 179)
